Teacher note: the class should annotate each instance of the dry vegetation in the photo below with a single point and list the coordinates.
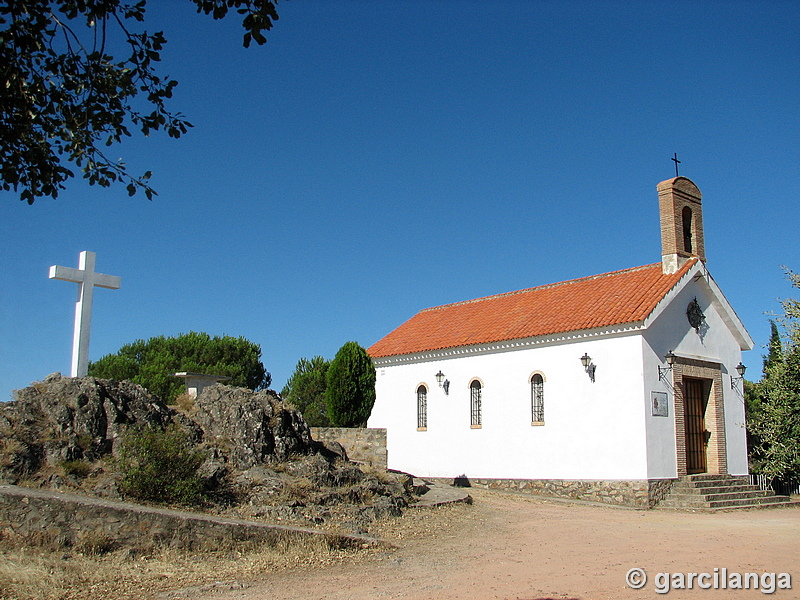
(46, 572)
(60, 435)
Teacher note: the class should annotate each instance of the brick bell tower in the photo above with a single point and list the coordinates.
(681, 209)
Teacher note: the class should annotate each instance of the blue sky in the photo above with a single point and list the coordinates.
(379, 157)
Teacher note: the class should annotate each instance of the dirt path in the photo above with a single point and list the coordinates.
(512, 547)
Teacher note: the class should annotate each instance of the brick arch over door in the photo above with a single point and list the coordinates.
(686, 373)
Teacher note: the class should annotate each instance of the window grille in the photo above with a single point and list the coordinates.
(537, 399)
(422, 407)
(475, 403)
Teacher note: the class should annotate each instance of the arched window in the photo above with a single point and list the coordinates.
(687, 229)
(422, 408)
(475, 403)
(537, 399)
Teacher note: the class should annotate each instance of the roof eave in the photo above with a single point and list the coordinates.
(507, 345)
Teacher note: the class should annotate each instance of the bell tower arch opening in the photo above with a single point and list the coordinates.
(687, 229)
(681, 212)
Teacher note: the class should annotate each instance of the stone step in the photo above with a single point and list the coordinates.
(716, 489)
(714, 499)
(714, 482)
(718, 492)
(726, 495)
(711, 476)
(774, 505)
(678, 502)
(764, 500)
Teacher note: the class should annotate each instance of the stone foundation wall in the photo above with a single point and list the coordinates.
(366, 445)
(72, 520)
(658, 490)
(637, 493)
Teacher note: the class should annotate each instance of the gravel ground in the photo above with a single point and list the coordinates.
(513, 547)
(502, 546)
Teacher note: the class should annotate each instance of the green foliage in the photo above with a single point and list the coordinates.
(150, 363)
(773, 404)
(791, 310)
(350, 392)
(160, 466)
(775, 348)
(76, 468)
(306, 390)
(63, 96)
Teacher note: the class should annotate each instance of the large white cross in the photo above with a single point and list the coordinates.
(85, 276)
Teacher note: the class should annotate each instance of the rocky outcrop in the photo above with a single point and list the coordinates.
(261, 459)
(255, 427)
(65, 419)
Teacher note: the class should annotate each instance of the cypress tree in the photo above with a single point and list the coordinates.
(773, 406)
(350, 392)
(775, 348)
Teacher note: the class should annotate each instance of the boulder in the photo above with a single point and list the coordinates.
(252, 428)
(65, 419)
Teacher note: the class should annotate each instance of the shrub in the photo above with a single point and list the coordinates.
(76, 468)
(161, 466)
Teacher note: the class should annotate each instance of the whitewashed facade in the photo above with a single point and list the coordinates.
(604, 428)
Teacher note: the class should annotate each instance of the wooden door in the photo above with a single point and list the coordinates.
(695, 402)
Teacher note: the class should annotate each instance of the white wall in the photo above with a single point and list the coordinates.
(671, 331)
(600, 430)
(592, 430)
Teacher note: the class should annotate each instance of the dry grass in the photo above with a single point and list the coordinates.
(425, 524)
(44, 571)
(35, 573)
(9, 448)
(185, 403)
(382, 475)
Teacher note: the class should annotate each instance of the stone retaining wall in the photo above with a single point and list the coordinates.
(367, 445)
(70, 520)
(637, 493)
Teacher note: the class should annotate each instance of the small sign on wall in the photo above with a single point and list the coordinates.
(660, 404)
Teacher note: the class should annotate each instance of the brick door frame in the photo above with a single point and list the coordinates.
(717, 449)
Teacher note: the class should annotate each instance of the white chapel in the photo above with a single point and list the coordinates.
(602, 387)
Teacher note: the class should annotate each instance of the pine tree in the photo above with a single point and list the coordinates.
(151, 363)
(306, 390)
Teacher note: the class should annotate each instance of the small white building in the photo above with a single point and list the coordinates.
(601, 388)
(196, 382)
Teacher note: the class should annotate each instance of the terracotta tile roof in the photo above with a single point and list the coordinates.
(615, 298)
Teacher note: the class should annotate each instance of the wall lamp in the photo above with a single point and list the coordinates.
(588, 365)
(735, 381)
(662, 371)
(443, 383)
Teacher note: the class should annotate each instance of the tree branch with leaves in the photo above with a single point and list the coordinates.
(64, 98)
